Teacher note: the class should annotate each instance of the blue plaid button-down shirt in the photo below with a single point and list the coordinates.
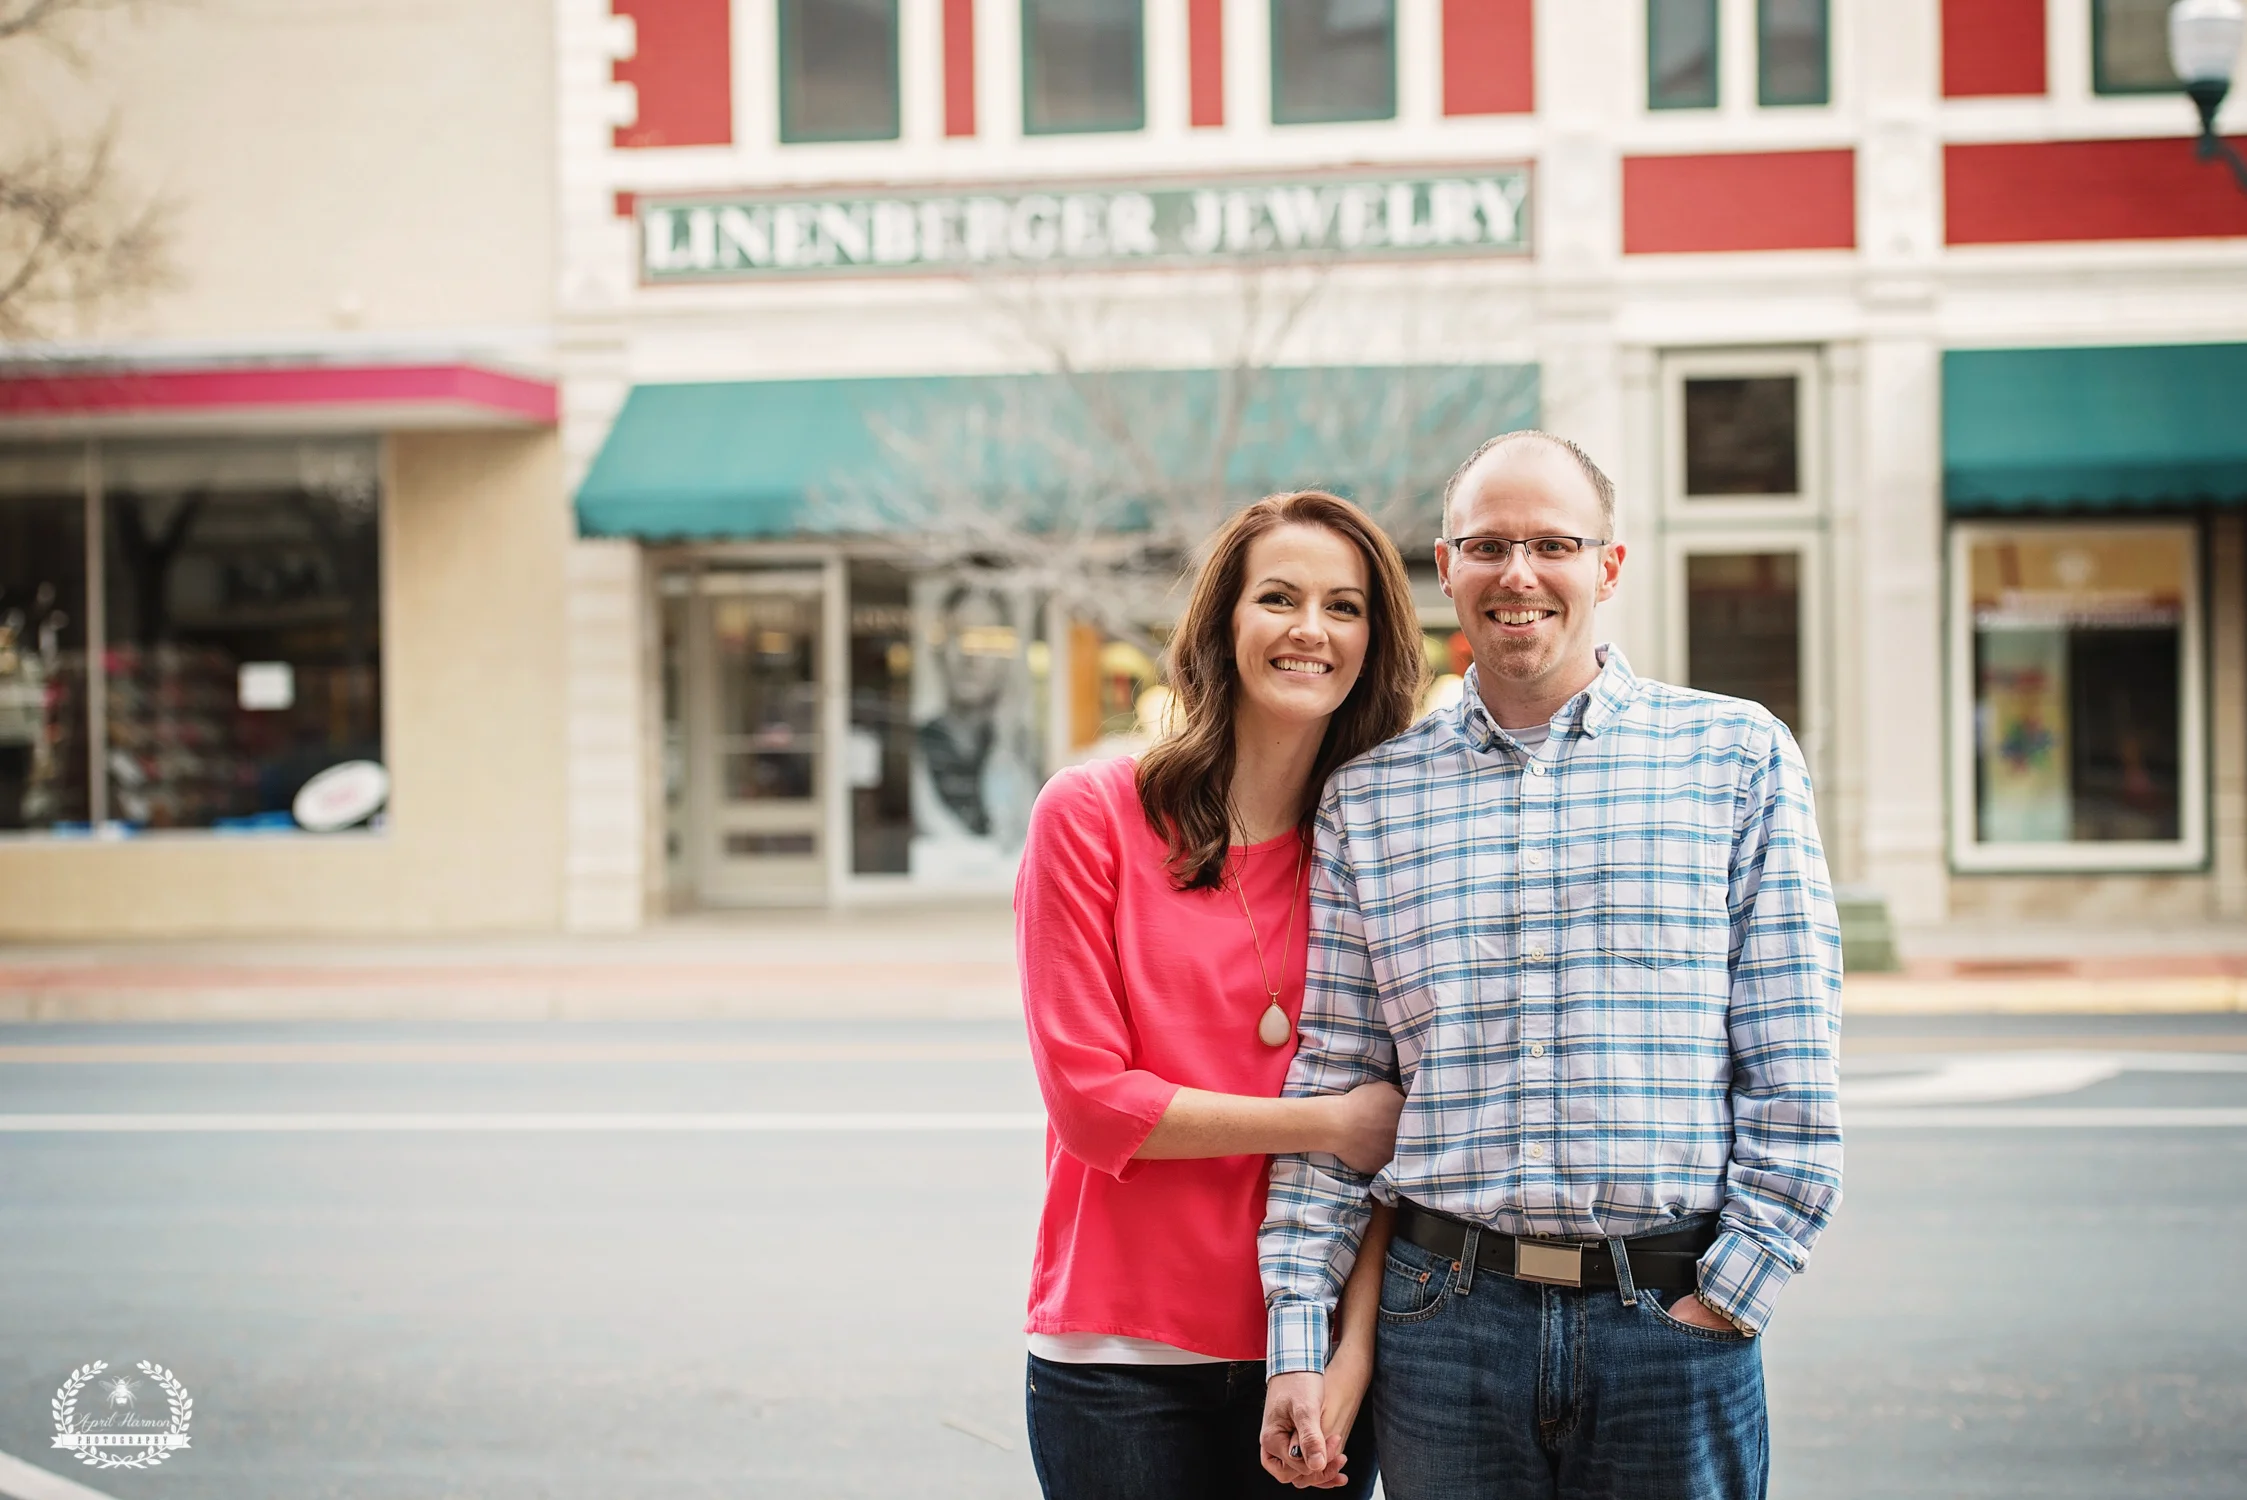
(1607, 974)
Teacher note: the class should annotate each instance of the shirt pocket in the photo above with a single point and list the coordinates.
(1657, 907)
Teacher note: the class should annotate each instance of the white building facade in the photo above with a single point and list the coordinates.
(1820, 283)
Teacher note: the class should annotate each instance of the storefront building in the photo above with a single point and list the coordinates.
(293, 519)
(1912, 334)
(722, 453)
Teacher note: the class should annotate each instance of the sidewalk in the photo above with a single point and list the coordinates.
(932, 963)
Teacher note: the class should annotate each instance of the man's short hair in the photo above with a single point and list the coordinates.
(1602, 486)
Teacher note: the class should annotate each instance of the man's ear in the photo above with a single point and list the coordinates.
(1443, 568)
(1610, 570)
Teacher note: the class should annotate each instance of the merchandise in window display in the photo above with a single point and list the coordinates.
(2078, 714)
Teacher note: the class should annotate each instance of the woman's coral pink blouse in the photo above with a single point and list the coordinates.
(1134, 989)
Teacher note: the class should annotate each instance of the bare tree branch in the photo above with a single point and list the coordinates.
(67, 237)
(1094, 481)
(71, 237)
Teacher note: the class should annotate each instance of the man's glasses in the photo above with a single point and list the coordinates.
(1497, 551)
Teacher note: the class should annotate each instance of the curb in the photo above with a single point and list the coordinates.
(2198, 994)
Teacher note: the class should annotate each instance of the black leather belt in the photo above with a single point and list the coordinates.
(1663, 1262)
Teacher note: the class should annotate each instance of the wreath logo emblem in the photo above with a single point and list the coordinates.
(119, 1428)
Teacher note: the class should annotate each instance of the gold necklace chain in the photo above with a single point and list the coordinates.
(1240, 889)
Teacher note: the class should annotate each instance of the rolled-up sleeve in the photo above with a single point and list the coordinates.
(1317, 1212)
(1101, 1108)
(1784, 1177)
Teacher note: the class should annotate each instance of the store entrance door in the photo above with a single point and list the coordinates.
(757, 775)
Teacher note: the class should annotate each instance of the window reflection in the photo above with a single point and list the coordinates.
(1081, 65)
(2130, 44)
(1743, 628)
(242, 612)
(1681, 54)
(838, 64)
(2078, 710)
(1791, 42)
(42, 641)
(1333, 60)
(1741, 436)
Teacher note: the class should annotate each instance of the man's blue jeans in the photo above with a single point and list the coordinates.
(1507, 1389)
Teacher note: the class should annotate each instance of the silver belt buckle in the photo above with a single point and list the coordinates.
(1554, 1265)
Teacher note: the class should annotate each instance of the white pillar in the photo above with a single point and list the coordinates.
(607, 779)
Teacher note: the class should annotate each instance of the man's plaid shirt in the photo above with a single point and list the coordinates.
(1607, 974)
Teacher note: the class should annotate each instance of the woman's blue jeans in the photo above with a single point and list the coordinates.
(1163, 1432)
(1508, 1389)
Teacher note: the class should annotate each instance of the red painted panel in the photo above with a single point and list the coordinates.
(959, 67)
(1489, 57)
(682, 70)
(2046, 191)
(1993, 47)
(1779, 200)
(1205, 61)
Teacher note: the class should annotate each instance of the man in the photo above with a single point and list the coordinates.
(1584, 921)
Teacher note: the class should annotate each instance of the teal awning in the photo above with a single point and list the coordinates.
(2071, 429)
(829, 457)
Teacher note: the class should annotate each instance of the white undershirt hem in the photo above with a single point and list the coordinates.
(1112, 1349)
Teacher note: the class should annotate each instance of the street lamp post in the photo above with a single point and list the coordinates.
(2203, 49)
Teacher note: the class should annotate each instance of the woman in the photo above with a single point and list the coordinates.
(1162, 917)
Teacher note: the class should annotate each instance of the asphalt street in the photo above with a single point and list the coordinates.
(407, 1262)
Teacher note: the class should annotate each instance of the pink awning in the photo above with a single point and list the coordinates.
(77, 399)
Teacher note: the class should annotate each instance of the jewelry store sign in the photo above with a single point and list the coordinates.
(763, 236)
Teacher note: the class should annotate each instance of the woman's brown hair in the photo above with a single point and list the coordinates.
(1186, 779)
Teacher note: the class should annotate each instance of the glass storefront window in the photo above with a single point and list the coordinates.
(2079, 663)
(1333, 60)
(242, 613)
(880, 753)
(237, 623)
(1681, 54)
(43, 708)
(1081, 65)
(838, 70)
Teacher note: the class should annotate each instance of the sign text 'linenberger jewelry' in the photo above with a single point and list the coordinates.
(749, 236)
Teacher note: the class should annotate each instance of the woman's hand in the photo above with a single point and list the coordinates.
(1364, 1126)
(1349, 1371)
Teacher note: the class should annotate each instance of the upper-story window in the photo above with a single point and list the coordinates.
(1681, 54)
(1792, 52)
(838, 70)
(1333, 60)
(2130, 47)
(1083, 65)
(1684, 39)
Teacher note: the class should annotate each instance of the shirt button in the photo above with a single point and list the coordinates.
(1536, 954)
(1536, 768)
(1536, 859)
(1536, 1151)
(1536, 1049)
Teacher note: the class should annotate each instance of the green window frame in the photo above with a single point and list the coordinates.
(1281, 115)
(1661, 16)
(2102, 31)
(791, 24)
(1031, 125)
(1768, 91)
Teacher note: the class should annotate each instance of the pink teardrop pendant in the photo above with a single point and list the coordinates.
(1274, 1029)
